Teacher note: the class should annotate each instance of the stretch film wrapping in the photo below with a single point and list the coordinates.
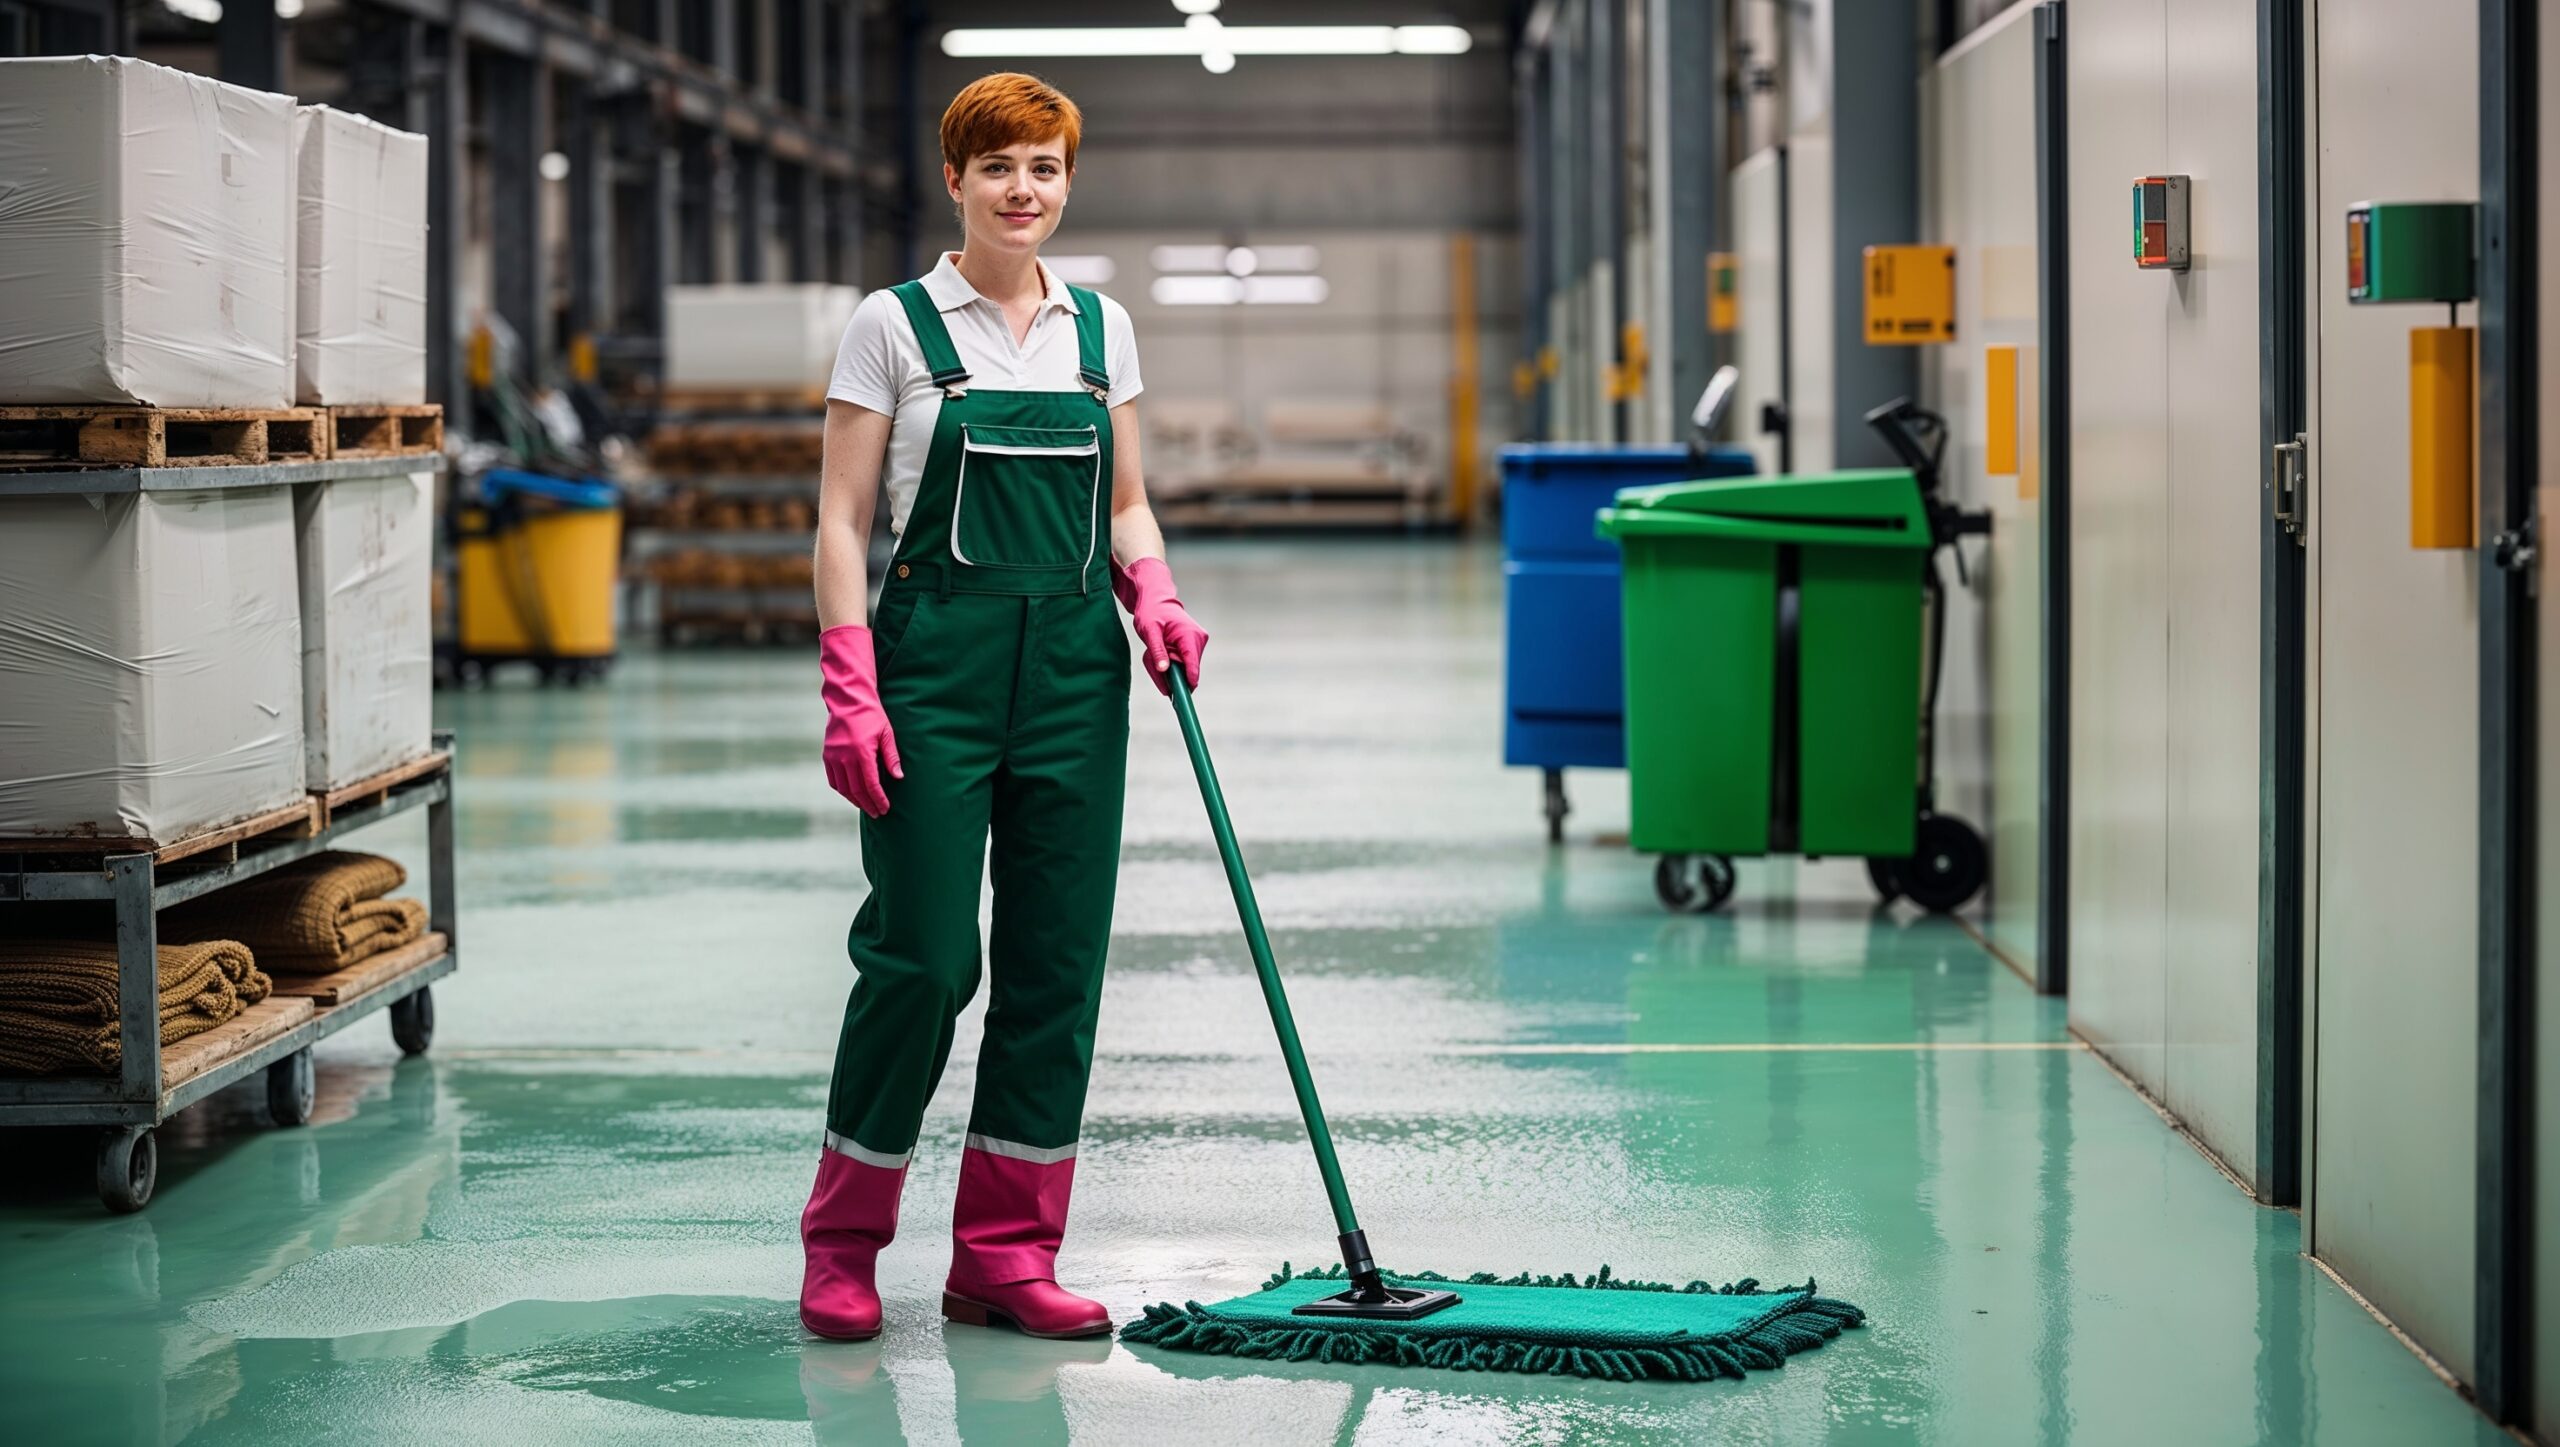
(755, 337)
(367, 640)
(146, 236)
(360, 313)
(150, 663)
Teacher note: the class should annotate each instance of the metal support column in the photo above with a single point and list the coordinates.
(249, 46)
(2053, 543)
(440, 105)
(2283, 412)
(1688, 171)
(518, 286)
(587, 140)
(754, 209)
(2509, 467)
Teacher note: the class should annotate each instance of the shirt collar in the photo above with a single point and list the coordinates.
(951, 291)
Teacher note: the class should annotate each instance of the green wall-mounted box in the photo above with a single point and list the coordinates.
(2409, 251)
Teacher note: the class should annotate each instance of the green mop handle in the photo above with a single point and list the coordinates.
(1273, 995)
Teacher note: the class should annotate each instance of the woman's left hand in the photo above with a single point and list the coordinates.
(1166, 630)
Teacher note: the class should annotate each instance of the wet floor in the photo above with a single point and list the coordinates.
(575, 1219)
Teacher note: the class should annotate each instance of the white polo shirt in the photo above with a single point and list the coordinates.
(880, 365)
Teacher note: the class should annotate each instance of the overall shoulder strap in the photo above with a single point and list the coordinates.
(940, 357)
(1093, 367)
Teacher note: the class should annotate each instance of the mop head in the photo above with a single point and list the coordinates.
(1597, 1326)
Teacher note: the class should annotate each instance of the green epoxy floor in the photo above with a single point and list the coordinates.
(575, 1220)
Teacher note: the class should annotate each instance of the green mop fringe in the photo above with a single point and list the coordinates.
(1802, 1325)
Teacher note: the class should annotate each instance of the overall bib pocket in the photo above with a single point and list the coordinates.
(1027, 497)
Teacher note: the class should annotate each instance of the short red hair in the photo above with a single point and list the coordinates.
(1007, 109)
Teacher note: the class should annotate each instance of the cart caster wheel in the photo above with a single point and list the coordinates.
(128, 1167)
(1557, 806)
(292, 1087)
(413, 1021)
(1947, 867)
(1693, 883)
(1886, 876)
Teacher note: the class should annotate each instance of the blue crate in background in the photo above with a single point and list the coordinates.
(1564, 693)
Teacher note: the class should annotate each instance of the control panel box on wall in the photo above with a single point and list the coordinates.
(2160, 241)
(1911, 295)
(1723, 291)
(2402, 251)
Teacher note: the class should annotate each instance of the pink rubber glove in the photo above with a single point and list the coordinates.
(1145, 588)
(859, 743)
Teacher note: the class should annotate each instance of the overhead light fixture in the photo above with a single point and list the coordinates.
(1230, 290)
(1233, 260)
(554, 166)
(1217, 62)
(1117, 41)
(208, 12)
(1195, 7)
(1083, 270)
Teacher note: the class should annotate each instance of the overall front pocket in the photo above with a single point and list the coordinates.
(1027, 497)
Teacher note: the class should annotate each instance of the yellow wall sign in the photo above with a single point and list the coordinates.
(1724, 287)
(1911, 295)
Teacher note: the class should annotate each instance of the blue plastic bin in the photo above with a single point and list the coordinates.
(1563, 676)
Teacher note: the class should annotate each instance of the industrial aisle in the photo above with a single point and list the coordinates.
(575, 1220)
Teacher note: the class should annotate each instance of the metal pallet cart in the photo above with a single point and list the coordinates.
(275, 1035)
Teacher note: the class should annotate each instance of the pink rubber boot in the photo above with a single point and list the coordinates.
(1005, 1231)
(852, 1213)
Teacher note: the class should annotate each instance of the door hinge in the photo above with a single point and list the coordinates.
(2285, 485)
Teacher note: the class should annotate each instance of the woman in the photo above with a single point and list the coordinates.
(997, 407)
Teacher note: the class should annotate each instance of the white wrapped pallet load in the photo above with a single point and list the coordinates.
(755, 337)
(150, 663)
(147, 216)
(367, 640)
(360, 313)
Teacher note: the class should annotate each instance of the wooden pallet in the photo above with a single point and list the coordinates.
(242, 1033)
(365, 792)
(109, 436)
(386, 431)
(297, 820)
(362, 978)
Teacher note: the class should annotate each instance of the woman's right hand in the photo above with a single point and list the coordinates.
(860, 748)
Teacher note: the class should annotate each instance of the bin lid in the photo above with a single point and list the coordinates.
(1529, 460)
(569, 491)
(1875, 508)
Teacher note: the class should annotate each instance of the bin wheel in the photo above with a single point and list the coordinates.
(292, 1088)
(1557, 807)
(413, 1021)
(128, 1167)
(1947, 867)
(1886, 876)
(1693, 883)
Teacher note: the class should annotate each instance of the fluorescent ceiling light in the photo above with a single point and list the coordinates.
(1235, 260)
(1229, 290)
(1195, 7)
(207, 11)
(1285, 290)
(1083, 270)
(1217, 62)
(1232, 40)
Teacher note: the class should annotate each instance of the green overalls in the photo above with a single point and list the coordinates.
(1005, 675)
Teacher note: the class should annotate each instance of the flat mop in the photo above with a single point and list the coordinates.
(1606, 1328)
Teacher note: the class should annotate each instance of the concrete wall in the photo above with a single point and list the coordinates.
(1979, 184)
(2164, 826)
(2396, 679)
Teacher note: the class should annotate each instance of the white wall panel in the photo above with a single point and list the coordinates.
(2210, 965)
(1981, 190)
(1757, 193)
(2119, 545)
(2394, 1078)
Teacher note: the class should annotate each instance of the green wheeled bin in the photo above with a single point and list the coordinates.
(1780, 639)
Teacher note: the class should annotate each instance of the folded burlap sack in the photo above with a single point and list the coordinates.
(58, 1007)
(310, 917)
